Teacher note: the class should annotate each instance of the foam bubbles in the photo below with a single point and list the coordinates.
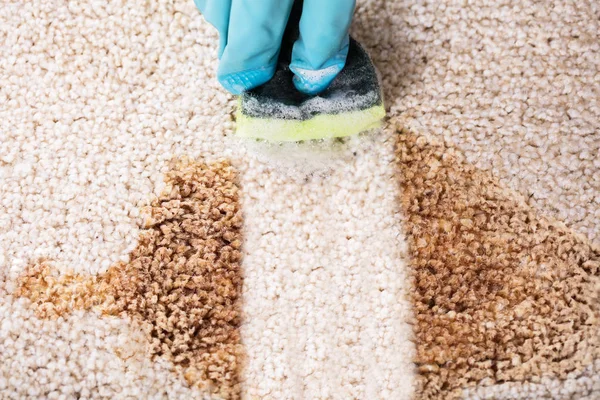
(306, 158)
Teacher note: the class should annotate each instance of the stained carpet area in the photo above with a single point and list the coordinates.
(502, 294)
(181, 285)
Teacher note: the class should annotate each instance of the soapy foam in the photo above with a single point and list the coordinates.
(335, 103)
(301, 160)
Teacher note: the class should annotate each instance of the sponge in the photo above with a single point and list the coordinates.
(277, 111)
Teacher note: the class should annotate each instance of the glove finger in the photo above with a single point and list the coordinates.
(216, 13)
(320, 52)
(253, 43)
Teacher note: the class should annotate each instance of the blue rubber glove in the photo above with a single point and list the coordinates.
(250, 38)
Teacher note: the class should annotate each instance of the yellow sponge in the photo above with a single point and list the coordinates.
(319, 127)
(277, 111)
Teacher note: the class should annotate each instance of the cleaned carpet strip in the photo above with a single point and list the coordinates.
(181, 284)
(325, 287)
(501, 294)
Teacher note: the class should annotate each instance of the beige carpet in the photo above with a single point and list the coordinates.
(145, 252)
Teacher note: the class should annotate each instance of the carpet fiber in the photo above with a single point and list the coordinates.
(146, 252)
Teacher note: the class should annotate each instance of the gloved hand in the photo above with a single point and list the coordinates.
(250, 38)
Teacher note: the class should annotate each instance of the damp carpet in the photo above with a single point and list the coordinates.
(146, 252)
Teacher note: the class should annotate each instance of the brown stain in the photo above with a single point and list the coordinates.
(182, 283)
(500, 293)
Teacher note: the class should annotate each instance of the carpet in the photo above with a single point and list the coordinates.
(146, 252)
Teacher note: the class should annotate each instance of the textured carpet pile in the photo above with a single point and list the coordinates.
(145, 252)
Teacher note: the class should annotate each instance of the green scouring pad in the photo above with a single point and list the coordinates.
(277, 111)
